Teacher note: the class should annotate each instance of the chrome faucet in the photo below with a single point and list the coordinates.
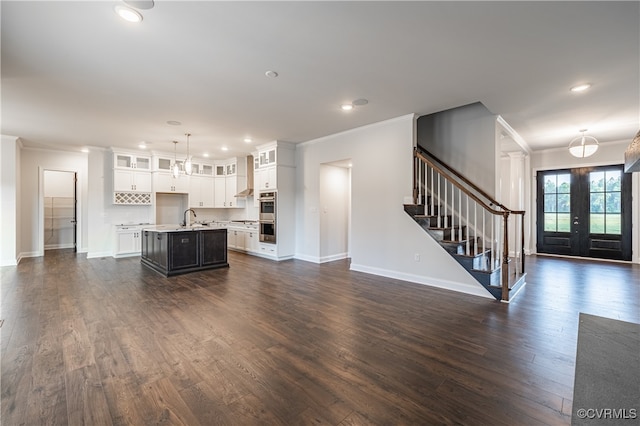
(184, 222)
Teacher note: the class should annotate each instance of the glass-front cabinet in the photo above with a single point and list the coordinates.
(129, 161)
(267, 158)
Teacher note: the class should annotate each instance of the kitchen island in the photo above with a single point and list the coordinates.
(174, 249)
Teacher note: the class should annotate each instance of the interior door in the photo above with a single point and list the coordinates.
(585, 212)
(75, 212)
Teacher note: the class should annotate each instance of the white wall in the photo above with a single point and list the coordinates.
(384, 239)
(33, 164)
(9, 200)
(609, 153)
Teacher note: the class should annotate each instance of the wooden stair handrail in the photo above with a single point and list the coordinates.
(458, 175)
(453, 181)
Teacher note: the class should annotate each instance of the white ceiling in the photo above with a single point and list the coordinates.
(74, 74)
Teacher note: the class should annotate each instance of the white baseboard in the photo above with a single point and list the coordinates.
(333, 257)
(57, 246)
(323, 259)
(476, 290)
(93, 255)
(312, 259)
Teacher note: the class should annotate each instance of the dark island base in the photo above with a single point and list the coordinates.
(168, 273)
(180, 252)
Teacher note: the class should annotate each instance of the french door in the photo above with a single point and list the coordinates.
(585, 212)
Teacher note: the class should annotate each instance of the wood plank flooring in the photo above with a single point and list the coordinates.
(109, 342)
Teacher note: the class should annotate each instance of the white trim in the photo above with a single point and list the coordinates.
(92, 255)
(514, 135)
(478, 290)
(57, 246)
(23, 255)
(306, 258)
(333, 257)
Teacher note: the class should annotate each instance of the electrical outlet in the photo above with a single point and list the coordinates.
(416, 257)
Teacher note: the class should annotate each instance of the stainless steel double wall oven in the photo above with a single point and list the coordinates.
(267, 202)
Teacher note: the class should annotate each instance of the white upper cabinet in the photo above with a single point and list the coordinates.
(131, 181)
(165, 182)
(201, 191)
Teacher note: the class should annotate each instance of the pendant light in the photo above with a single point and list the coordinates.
(188, 165)
(583, 146)
(175, 170)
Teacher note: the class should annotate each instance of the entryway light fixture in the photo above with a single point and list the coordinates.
(583, 146)
(188, 165)
(581, 87)
(175, 170)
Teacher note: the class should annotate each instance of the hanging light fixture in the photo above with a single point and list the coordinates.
(175, 170)
(188, 165)
(583, 146)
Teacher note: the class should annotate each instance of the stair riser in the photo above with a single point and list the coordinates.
(479, 262)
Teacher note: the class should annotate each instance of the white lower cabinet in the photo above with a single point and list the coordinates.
(267, 249)
(128, 241)
(251, 241)
(243, 239)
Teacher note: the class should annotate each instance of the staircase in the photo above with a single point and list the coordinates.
(469, 225)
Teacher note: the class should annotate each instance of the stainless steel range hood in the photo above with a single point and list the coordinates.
(249, 190)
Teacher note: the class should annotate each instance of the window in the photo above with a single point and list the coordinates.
(557, 203)
(605, 202)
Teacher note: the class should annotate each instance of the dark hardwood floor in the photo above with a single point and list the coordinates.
(107, 341)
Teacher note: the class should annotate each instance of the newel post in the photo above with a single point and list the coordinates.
(415, 175)
(505, 257)
(522, 242)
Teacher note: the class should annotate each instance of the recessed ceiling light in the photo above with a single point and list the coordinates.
(271, 74)
(360, 102)
(142, 145)
(85, 150)
(173, 123)
(224, 148)
(128, 14)
(247, 140)
(346, 107)
(140, 4)
(206, 154)
(581, 87)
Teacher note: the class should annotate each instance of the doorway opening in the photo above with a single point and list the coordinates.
(60, 201)
(585, 212)
(335, 211)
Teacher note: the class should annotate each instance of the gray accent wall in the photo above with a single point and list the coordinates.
(464, 138)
